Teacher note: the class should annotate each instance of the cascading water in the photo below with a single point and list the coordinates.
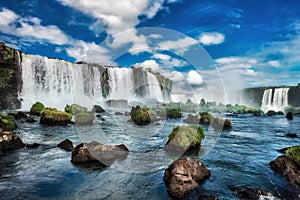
(57, 83)
(275, 99)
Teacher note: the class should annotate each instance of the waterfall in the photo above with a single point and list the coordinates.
(275, 99)
(57, 83)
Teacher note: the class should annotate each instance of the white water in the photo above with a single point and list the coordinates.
(57, 83)
(275, 99)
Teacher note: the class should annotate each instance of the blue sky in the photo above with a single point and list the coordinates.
(253, 43)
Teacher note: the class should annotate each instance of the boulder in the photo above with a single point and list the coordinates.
(191, 119)
(288, 169)
(205, 118)
(37, 108)
(84, 118)
(9, 141)
(52, 116)
(220, 123)
(118, 113)
(289, 116)
(66, 145)
(291, 135)
(30, 120)
(127, 113)
(32, 146)
(75, 108)
(271, 113)
(143, 116)
(98, 109)
(184, 175)
(184, 138)
(97, 152)
(173, 113)
(252, 193)
(7, 122)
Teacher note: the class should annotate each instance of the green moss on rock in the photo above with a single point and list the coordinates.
(37, 108)
(183, 138)
(52, 116)
(98, 109)
(75, 108)
(7, 122)
(173, 113)
(84, 118)
(293, 153)
(142, 116)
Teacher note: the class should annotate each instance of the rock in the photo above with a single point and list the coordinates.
(288, 169)
(30, 120)
(283, 150)
(32, 146)
(289, 116)
(252, 193)
(291, 135)
(118, 113)
(205, 118)
(219, 123)
(75, 108)
(66, 145)
(97, 152)
(184, 138)
(52, 116)
(127, 113)
(98, 109)
(173, 113)
(19, 115)
(280, 113)
(191, 119)
(9, 141)
(157, 124)
(37, 108)
(84, 118)
(7, 122)
(184, 175)
(271, 113)
(142, 116)
(208, 197)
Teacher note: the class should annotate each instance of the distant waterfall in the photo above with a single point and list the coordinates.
(57, 83)
(275, 99)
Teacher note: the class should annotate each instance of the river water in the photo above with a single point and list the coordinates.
(239, 158)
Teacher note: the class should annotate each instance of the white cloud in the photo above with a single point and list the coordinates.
(7, 17)
(274, 63)
(168, 61)
(211, 38)
(149, 64)
(194, 78)
(179, 46)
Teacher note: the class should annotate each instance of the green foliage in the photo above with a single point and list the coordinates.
(186, 136)
(75, 108)
(293, 153)
(53, 116)
(84, 118)
(206, 115)
(97, 109)
(5, 77)
(142, 116)
(37, 108)
(7, 122)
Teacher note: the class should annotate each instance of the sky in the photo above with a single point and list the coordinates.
(242, 43)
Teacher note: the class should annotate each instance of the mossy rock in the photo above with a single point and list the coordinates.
(7, 122)
(142, 116)
(98, 109)
(52, 116)
(293, 153)
(185, 138)
(280, 113)
(290, 116)
(84, 118)
(37, 108)
(219, 123)
(173, 113)
(75, 108)
(271, 113)
(205, 118)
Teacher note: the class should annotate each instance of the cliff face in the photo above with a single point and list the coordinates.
(32, 78)
(10, 77)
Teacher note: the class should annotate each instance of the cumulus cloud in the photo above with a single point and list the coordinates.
(194, 78)
(211, 38)
(179, 46)
(274, 63)
(7, 17)
(168, 61)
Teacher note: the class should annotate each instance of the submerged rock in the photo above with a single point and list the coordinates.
(52, 116)
(252, 193)
(66, 145)
(32, 146)
(291, 135)
(184, 175)
(97, 152)
(9, 141)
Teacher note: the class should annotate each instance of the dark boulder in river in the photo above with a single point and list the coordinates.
(66, 145)
(97, 152)
(184, 175)
(9, 141)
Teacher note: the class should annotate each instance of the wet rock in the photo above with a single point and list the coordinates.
(118, 113)
(37, 108)
(32, 146)
(52, 116)
(288, 169)
(127, 113)
(66, 145)
(97, 152)
(219, 123)
(30, 120)
(251, 193)
(291, 135)
(208, 197)
(9, 141)
(191, 119)
(143, 116)
(184, 175)
(290, 116)
(98, 109)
